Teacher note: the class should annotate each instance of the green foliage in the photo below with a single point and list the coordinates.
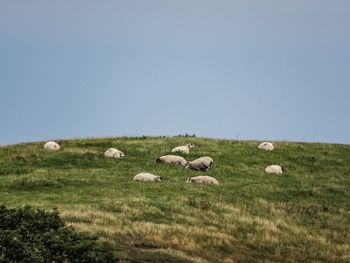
(28, 235)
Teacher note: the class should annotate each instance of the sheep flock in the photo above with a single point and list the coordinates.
(201, 164)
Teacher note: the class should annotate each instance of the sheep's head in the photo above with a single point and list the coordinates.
(159, 178)
(189, 180)
(56, 147)
(187, 165)
(190, 145)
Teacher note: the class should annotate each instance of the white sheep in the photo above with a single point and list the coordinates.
(274, 169)
(267, 146)
(202, 163)
(172, 159)
(185, 149)
(147, 177)
(112, 152)
(51, 145)
(203, 179)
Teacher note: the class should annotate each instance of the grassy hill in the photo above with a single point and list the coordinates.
(300, 216)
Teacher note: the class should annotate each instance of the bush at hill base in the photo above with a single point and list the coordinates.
(28, 235)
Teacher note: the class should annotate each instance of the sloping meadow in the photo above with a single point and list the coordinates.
(302, 215)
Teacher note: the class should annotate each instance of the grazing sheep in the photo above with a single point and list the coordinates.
(51, 145)
(274, 169)
(202, 180)
(185, 149)
(147, 177)
(112, 152)
(267, 146)
(172, 159)
(202, 163)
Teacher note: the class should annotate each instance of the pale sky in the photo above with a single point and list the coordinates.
(261, 70)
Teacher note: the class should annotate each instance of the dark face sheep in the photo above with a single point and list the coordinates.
(201, 164)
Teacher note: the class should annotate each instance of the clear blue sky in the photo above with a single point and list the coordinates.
(274, 70)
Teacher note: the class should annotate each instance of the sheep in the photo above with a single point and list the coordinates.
(185, 149)
(267, 146)
(274, 169)
(112, 152)
(147, 177)
(51, 145)
(202, 163)
(172, 159)
(202, 180)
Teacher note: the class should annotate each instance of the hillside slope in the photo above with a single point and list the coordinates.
(302, 215)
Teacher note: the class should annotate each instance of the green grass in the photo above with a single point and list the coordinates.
(302, 215)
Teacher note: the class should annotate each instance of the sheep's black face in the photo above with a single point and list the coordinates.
(189, 180)
(159, 178)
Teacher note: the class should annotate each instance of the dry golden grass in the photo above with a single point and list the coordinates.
(200, 234)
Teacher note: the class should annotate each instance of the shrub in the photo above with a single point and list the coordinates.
(186, 135)
(28, 235)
